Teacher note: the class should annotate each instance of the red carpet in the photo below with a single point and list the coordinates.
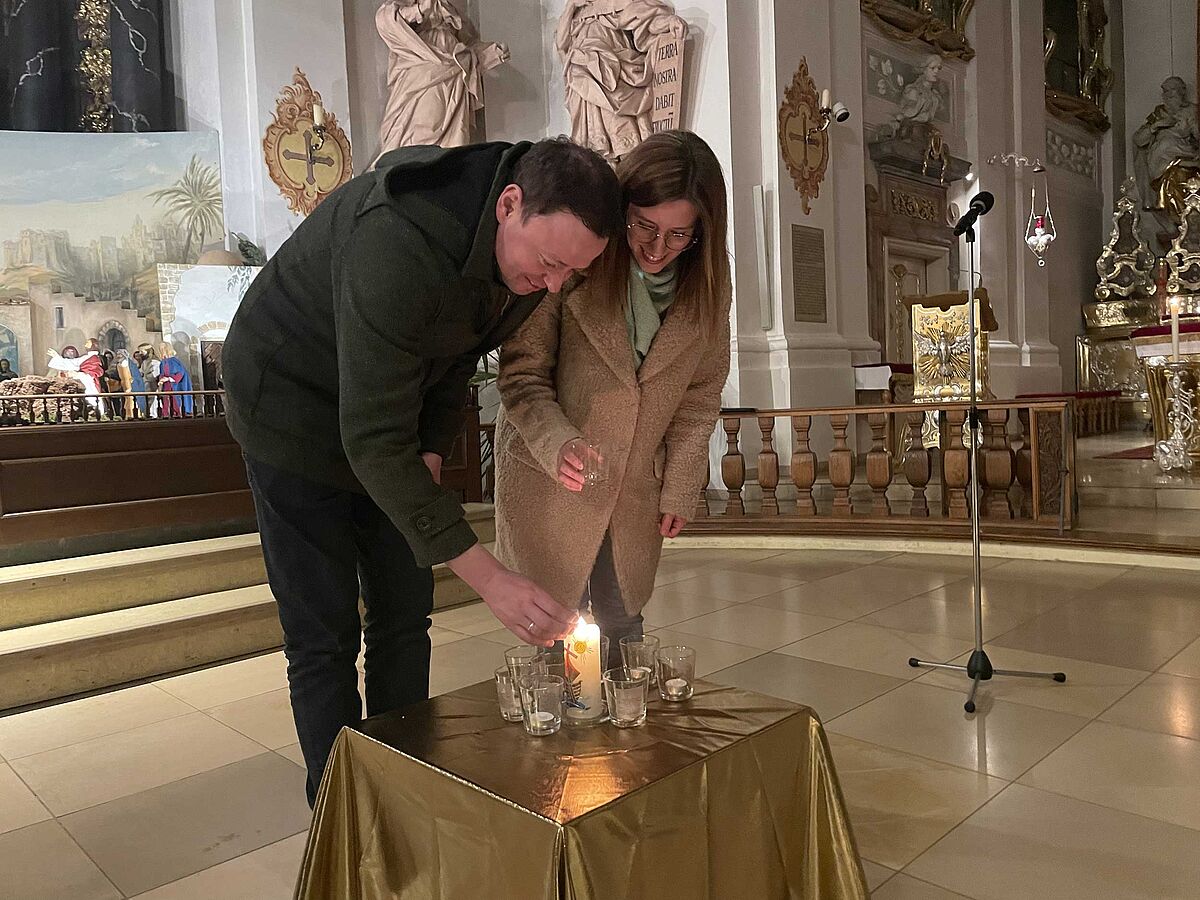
(1136, 453)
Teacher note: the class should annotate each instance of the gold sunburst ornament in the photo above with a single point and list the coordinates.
(306, 162)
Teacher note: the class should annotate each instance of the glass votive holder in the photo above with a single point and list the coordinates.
(525, 660)
(640, 652)
(676, 672)
(595, 464)
(506, 693)
(625, 690)
(541, 703)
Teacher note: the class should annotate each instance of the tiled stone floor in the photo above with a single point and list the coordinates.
(190, 787)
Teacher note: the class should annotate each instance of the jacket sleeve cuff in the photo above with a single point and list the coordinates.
(545, 448)
(438, 532)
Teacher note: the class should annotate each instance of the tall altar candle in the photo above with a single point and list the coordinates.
(585, 647)
(1174, 329)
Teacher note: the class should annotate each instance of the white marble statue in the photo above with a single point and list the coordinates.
(605, 47)
(435, 72)
(921, 100)
(1168, 136)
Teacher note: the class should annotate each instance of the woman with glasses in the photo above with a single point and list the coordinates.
(610, 392)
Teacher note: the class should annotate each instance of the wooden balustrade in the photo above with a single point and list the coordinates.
(1024, 456)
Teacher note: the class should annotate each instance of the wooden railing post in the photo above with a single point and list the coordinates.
(841, 465)
(956, 462)
(997, 465)
(733, 466)
(1025, 466)
(804, 467)
(879, 464)
(768, 466)
(703, 510)
(918, 465)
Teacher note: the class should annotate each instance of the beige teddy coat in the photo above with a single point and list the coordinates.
(569, 373)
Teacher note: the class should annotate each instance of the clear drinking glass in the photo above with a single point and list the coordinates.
(595, 464)
(640, 652)
(625, 690)
(541, 703)
(676, 672)
(506, 693)
(525, 660)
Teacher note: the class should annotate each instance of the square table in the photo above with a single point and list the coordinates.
(726, 796)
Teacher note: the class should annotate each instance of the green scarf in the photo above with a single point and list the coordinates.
(649, 298)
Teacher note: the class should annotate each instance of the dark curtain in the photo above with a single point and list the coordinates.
(48, 83)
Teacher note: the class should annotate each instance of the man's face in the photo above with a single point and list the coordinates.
(1173, 98)
(542, 251)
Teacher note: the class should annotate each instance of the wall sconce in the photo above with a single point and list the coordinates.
(837, 112)
(804, 117)
(318, 118)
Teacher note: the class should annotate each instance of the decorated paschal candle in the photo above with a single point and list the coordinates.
(583, 668)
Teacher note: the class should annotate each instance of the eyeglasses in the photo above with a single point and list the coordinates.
(648, 234)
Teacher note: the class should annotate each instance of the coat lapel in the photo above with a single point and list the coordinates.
(607, 333)
(677, 334)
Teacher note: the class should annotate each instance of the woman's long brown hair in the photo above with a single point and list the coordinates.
(674, 165)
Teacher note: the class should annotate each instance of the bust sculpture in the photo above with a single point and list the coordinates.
(435, 70)
(920, 102)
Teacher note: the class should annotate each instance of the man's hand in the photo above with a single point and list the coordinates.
(434, 463)
(526, 610)
(570, 464)
(521, 606)
(671, 525)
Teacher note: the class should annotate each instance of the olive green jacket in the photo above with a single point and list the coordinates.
(351, 352)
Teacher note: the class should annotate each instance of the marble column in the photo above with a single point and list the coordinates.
(36, 90)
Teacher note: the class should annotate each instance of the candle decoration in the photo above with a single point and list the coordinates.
(640, 652)
(676, 672)
(584, 695)
(508, 695)
(542, 703)
(625, 689)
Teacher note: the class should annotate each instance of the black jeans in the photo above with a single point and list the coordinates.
(323, 546)
(603, 594)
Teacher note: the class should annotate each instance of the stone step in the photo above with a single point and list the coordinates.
(38, 593)
(51, 660)
(58, 659)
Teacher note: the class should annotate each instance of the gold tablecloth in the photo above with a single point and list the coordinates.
(730, 795)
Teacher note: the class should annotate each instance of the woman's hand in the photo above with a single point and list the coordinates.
(570, 464)
(671, 525)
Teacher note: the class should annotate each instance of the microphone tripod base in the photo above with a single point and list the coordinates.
(979, 668)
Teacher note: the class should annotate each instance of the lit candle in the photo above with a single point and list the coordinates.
(676, 688)
(1174, 329)
(825, 99)
(318, 112)
(584, 647)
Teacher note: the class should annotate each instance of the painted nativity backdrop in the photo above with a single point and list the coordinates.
(100, 234)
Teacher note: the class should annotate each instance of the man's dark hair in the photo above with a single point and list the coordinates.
(558, 175)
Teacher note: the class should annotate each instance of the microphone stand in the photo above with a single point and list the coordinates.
(979, 667)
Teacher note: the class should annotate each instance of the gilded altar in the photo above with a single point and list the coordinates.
(1125, 300)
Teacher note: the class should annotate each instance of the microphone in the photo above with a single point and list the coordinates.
(981, 204)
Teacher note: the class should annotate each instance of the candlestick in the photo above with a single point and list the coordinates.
(318, 115)
(825, 97)
(1174, 329)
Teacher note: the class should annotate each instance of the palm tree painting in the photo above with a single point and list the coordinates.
(194, 202)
